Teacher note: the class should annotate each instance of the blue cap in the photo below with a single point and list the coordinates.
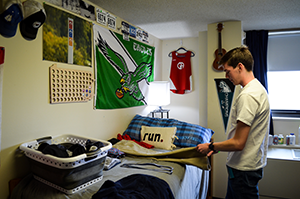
(10, 19)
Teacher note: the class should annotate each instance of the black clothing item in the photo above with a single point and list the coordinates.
(89, 144)
(53, 149)
(113, 141)
(77, 149)
(61, 150)
(136, 186)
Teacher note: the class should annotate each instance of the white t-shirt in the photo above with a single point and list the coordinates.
(252, 108)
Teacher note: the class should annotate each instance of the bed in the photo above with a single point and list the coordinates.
(180, 172)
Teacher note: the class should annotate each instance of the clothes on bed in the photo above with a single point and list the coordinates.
(136, 186)
(127, 137)
(150, 167)
(113, 141)
(111, 163)
(115, 153)
(187, 155)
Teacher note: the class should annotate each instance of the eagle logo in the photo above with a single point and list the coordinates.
(129, 79)
(224, 87)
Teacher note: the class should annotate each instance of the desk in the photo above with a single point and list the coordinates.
(281, 174)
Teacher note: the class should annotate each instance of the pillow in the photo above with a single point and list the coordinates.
(159, 137)
(189, 135)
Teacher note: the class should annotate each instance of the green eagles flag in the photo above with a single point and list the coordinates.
(123, 70)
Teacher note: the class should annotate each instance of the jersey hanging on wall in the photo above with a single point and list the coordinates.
(181, 72)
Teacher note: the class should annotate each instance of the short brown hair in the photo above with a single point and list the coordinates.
(238, 55)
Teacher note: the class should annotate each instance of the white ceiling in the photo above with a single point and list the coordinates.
(166, 19)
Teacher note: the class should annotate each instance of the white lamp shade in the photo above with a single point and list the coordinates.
(159, 93)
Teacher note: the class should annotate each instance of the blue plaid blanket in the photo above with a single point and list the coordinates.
(189, 135)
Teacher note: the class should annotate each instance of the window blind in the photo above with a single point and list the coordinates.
(284, 52)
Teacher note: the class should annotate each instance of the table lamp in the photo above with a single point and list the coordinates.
(159, 95)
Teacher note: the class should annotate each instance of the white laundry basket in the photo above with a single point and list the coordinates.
(70, 174)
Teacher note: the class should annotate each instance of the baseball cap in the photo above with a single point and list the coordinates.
(10, 18)
(34, 17)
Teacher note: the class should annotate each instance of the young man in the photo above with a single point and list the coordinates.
(248, 132)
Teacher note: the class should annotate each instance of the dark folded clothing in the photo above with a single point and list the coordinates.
(77, 149)
(113, 141)
(61, 150)
(53, 149)
(136, 186)
(93, 146)
(115, 153)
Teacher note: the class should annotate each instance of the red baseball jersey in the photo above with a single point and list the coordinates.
(1, 55)
(181, 73)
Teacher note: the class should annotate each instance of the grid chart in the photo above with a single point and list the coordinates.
(68, 86)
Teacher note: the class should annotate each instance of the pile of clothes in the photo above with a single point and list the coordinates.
(114, 154)
(66, 150)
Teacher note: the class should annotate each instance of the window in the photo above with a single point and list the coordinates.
(284, 74)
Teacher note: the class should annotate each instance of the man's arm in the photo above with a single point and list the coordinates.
(237, 143)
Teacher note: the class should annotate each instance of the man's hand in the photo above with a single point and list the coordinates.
(203, 148)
